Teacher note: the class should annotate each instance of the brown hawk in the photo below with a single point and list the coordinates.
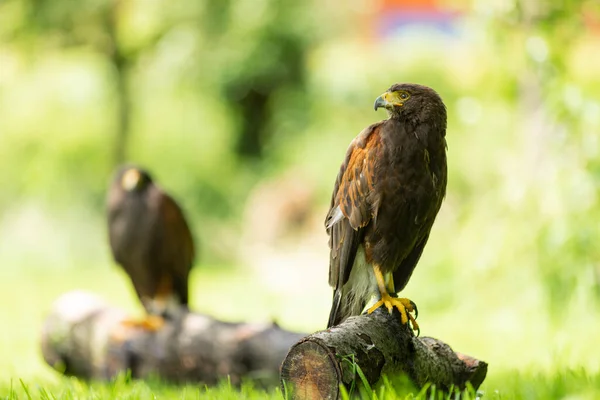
(151, 240)
(385, 199)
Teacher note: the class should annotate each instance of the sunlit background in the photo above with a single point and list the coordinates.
(243, 111)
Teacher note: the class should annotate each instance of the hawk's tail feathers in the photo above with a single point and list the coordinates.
(335, 315)
(345, 304)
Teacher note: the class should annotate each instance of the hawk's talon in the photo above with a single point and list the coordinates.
(413, 322)
(404, 306)
(416, 310)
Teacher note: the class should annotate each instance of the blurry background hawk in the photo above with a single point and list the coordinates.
(151, 240)
(386, 197)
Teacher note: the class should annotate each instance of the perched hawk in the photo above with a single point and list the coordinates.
(385, 199)
(151, 240)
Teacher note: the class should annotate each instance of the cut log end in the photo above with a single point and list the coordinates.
(310, 371)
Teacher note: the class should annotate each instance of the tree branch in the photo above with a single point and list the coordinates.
(378, 344)
(85, 337)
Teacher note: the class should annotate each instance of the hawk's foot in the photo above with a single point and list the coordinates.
(151, 323)
(404, 306)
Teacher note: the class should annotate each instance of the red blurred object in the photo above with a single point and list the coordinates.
(393, 16)
(410, 4)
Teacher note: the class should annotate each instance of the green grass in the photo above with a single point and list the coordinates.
(125, 388)
(569, 384)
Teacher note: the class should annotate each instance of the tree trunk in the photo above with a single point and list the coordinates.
(86, 338)
(122, 67)
(378, 345)
(123, 110)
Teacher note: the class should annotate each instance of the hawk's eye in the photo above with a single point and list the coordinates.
(403, 96)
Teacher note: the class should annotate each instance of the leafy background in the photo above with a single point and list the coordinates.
(243, 111)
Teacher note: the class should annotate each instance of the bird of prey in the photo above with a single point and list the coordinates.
(386, 196)
(151, 240)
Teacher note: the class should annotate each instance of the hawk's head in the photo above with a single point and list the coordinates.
(404, 99)
(133, 179)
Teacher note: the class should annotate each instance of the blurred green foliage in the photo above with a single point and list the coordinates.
(558, 102)
(217, 97)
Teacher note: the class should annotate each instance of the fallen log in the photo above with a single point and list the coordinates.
(376, 345)
(85, 337)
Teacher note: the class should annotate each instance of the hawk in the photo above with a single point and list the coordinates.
(150, 238)
(386, 196)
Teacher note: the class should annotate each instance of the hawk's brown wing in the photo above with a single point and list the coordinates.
(353, 204)
(175, 247)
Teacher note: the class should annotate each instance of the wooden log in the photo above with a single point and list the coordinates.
(379, 345)
(86, 338)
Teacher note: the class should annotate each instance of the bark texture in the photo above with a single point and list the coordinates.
(85, 337)
(378, 344)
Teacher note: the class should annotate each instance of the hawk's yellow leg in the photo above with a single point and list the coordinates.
(405, 306)
(151, 323)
